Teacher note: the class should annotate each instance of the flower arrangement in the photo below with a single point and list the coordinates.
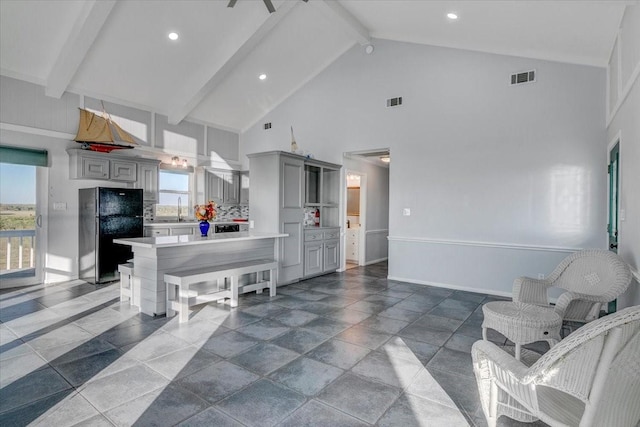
(206, 212)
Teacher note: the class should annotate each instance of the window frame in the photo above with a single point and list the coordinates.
(187, 212)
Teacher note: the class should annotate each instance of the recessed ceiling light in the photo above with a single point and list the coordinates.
(452, 16)
(173, 36)
(262, 76)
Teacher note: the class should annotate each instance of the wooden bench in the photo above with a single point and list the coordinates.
(183, 293)
(129, 287)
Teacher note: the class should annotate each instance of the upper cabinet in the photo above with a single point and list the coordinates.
(143, 173)
(224, 186)
(322, 190)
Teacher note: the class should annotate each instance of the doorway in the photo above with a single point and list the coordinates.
(22, 225)
(356, 218)
(614, 210)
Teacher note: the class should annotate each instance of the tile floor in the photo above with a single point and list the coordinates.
(345, 349)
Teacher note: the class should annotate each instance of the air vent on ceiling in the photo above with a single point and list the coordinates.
(525, 77)
(267, 126)
(394, 102)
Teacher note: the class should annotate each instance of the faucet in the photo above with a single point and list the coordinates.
(179, 207)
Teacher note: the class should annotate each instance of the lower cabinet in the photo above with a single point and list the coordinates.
(321, 251)
(173, 230)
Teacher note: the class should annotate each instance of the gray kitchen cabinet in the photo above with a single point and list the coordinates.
(352, 244)
(171, 230)
(322, 190)
(123, 170)
(93, 168)
(223, 187)
(321, 251)
(313, 259)
(244, 188)
(148, 180)
(276, 203)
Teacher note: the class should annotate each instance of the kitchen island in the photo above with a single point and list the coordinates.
(155, 256)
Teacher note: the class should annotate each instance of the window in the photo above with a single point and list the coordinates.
(173, 192)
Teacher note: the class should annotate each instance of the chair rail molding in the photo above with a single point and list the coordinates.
(500, 245)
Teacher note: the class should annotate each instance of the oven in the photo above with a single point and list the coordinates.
(230, 228)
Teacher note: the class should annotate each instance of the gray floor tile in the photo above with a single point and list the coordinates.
(349, 316)
(69, 352)
(413, 411)
(81, 371)
(451, 313)
(399, 313)
(462, 389)
(265, 329)
(384, 324)
(295, 318)
(229, 344)
(69, 411)
(420, 333)
(158, 344)
(31, 388)
(317, 414)
(438, 323)
(339, 301)
(317, 307)
(363, 399)
(217, 381)
(412, 305)
(268, 309)
(114, 390)
(66, 334)
(306, 376)
(456, 304)
(389, 369)
(339, 353)
(18, 367)
(468, 296)
(210, 417)
(263, 403)
(460, 342)
(237, 319)
(452, 361)
(364, 337)
(165, 406)
(196, 331)
(264, 358)
(300, 340)
(327, 326)
(182, 362)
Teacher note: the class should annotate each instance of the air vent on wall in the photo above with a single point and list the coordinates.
(267, 126)
(525, 77)
(394, 102)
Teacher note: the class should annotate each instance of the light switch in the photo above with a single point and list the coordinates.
(622, 215)
(406, 212)
(251, 224)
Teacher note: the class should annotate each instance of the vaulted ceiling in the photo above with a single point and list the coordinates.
(119, 50)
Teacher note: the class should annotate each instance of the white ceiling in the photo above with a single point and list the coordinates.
(119, 50)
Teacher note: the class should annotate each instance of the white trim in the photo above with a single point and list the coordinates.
(375, 261)
(454, 287)
(616, 140)
(36, 131)
(485, 244)
(623, 96)
(636, 274)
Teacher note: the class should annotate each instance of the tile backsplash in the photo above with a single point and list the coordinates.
(225, 212)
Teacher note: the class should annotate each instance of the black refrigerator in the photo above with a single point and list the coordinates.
(107, 214)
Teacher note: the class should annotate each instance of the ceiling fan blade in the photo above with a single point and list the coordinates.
(269, 5)
(232, 3)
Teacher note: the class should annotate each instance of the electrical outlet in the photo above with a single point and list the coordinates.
(541, 276)
(59, 206)
(406, 212)
(251, 225)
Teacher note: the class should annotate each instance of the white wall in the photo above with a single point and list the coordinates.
(501, 181)
(376, 227)
(625, 123)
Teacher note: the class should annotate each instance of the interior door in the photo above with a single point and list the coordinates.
(614, 186)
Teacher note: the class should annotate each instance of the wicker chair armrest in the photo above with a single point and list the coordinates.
(531, 291)
(502, 363)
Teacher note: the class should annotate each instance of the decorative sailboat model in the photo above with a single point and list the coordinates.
(101, 133)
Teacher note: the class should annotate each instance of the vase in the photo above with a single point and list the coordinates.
(204, 228)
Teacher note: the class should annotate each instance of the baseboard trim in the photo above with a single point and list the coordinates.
(454, 287)
(375, 261)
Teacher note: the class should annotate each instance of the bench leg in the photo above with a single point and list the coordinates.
(171, 296)
(234, 291)
(259, 279)
(183, 294)
(272, 283)
(125, 287)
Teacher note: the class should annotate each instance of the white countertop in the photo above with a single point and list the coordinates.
(193, 239)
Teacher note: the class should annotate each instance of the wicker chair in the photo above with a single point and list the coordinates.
(590, 278)
(591, 378)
